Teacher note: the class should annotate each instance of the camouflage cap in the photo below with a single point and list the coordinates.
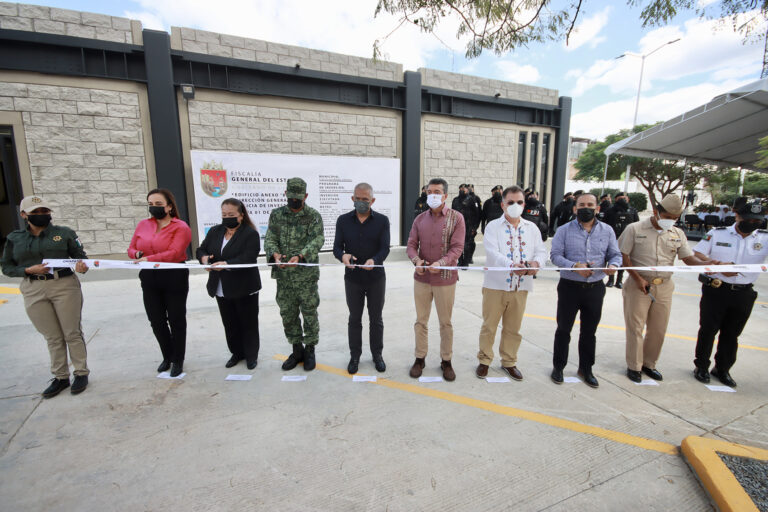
(296, 188)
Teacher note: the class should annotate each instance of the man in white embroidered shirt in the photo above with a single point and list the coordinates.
(513, 243)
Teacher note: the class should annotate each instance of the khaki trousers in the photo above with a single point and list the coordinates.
(422, 297)
(640, 312)
(54, 307)
(509, 308)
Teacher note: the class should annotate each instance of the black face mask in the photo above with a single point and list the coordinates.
(294, 204)
(746, 226)
(497, 197)
(621, 201)
(157, 212)
(585, 214)
(40, 220)
(230, 222)
(423, 195)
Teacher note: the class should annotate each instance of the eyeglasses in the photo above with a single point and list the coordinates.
(510, 203)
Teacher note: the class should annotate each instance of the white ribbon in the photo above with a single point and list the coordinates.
(149, 265)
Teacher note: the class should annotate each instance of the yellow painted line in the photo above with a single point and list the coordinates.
(553, 421)
(9, 290)
(620, 328)
(3, 301)
(720, 483)
(699, 295)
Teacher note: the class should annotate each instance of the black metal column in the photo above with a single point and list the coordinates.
(164, 117)
(411, 163)
(562, 147)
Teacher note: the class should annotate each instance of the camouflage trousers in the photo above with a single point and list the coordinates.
(292, 298)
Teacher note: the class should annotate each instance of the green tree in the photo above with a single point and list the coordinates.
(756, 184)
(763, 153)
(505, 25)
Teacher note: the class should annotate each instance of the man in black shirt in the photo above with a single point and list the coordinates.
(561, 213)
(492, 209)
(619, 216)
(421, 203)
(362, 240)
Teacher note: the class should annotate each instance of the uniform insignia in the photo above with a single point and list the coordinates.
(57, 238)
(708, 238)
(78, 242)
(723, 244)
(757, 208)
(757, 246)
(96, 263)
(721, 227)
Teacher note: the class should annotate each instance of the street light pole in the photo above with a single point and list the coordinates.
(639, 88)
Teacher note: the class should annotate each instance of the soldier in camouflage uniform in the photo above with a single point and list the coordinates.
(295, 235)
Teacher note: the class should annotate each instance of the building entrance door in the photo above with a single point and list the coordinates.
(10, 185)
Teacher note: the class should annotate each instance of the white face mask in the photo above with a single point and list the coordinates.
(434, 200)
(514, 210)
(666, 224)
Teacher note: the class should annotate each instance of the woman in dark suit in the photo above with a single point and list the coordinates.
(235, 241)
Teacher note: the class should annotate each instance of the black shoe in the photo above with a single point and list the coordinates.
(618, 285)
(164, 366)
(79, 384)
(352, 366)
(56, 387)
(557, 376)
(634, 375)
(233, 361)
(723, 377)
(652, 373)
(589, 378)
(177, 369)
(609, 284)
(251, 363)
(379, 363)
(295, 358)
(702, 375)
(309, 358)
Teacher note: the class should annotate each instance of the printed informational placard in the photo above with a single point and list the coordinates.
(259, 181)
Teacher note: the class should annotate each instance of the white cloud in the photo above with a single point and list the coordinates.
(518, 73)
(613, 116)
(147, 19)
(701, 49)
(587, 31)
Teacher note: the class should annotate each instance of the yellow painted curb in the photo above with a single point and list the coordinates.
(726, 491)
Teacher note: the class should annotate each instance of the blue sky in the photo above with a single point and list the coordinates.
(704, 63)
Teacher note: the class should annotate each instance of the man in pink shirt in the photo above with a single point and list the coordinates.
(436, 240)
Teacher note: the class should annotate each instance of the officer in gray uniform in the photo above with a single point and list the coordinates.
(727, 298)
(52, 296)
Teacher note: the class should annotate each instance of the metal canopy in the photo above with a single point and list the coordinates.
(723, 132)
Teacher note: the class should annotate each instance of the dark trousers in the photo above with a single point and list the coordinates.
(356, 297)
(165, 301)
(725, 310)
(241, 325)
(469, 248)
(573, 297)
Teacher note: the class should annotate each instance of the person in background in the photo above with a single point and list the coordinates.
(620, 215)
(492, 208)
(536, 212)
(164, 237)
(605, 205)
(560, 213)
(421, 203)
(53, 298)
(235, 242)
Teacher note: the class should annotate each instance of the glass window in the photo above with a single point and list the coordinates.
(533, 168)
(521, 160)
(544, 166)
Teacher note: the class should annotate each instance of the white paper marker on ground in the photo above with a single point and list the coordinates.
(167, 375)
(497, 379)
(293, 378)
(430, 379)
(571, 380)
(233, 376)
(723, 389)
(647, 382)
(364, 378)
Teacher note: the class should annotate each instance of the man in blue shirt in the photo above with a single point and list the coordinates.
(583, 244)
(362, 240)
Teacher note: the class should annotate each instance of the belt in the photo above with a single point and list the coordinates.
(717, 283)
(581, 284)
(64, 272)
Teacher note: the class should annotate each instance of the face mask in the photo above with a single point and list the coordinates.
(514, 210)
(230, 222)
(362, 207)
(157, 212)
(746, 226)
(585, 214)
(621, 201)
(434, 200)
(666, 224)
(294, 204)
(40, 221)
(462, 193)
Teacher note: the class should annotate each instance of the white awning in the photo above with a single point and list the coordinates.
(723, 132)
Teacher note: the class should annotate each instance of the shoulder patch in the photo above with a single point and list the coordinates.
(707, 238)
(763, 231)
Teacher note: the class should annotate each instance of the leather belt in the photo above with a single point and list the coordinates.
(64, 272)
(717, 283)
(582, 284)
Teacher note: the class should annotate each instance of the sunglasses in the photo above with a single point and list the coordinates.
(510, 203)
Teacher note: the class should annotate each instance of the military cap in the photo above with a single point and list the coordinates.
(296, 188)
(672, 204)
(32, 203)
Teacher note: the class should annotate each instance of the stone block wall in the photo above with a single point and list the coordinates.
(52, 20)
(86, 155)
(216, 125)
(487, 86)
(222, 45)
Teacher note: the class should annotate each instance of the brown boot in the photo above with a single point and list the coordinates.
(418, 365)
(448, 373)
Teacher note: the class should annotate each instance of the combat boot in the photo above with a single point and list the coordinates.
(309, 358)
(295, 358)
